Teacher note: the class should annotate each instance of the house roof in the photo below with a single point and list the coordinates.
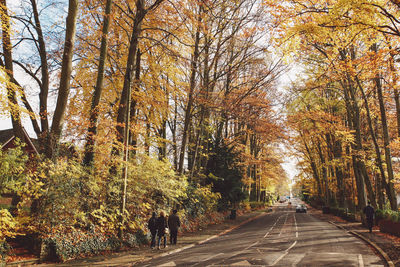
(7, 136)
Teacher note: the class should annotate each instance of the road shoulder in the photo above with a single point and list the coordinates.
(387, 246)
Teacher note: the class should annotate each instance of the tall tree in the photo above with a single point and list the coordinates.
(8, 64)
(92, 131)
(65, 79)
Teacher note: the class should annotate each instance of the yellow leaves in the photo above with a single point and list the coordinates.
(8, 225)
(346, 137)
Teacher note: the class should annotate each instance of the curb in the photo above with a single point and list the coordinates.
(22, 262)
(381, 252)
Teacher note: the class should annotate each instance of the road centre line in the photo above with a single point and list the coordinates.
(252, 245)
(295, 225)
(209, 258)
(284, 254)
(360, 260)
(280, 233)
(294, 244)
(279, 259)
(270, 229)
(241, 251)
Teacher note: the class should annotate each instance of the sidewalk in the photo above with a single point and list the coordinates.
(141, 254)
(382, 243)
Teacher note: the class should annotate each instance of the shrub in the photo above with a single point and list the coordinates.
(194, 224)
(200, 200)
(12, 172)
(257, 205)
(245, 205)
(387, 214)
(61, 197)
(63, 246)
(394, 216)
(8, 229)
(379, 215)
(326, 210)
(4, 249)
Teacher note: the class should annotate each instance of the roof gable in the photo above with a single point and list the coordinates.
(6, 136)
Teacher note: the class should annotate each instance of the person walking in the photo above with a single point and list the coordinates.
(173, 224)
(152, 225)
(161, 226)
(369, 214)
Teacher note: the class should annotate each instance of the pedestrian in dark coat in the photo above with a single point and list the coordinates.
(161, 226)
(173, 224)
(369, 214)
(152, 225)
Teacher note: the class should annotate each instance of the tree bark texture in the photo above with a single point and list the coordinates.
(65, 80)
(94, 111)
(189, 106)
(8, 63)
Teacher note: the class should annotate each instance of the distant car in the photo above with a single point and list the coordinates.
(301, 208)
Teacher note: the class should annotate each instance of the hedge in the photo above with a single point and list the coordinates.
(65, 246)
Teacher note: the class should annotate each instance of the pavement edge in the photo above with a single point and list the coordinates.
(379, 249)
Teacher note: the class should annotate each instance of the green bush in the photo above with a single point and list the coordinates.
(387, 214)
(199, 200)
(12, 172)
(61, 198)
(379, 215)
(64, 246)
(394, 216)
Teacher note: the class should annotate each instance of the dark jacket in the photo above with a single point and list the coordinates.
(152, 224)
(369, 212)
(173, 222)
(161, 225)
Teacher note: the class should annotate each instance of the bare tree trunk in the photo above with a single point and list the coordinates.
(386, 143)
(66, 69)
(395, 91)
(324, 174)
(335, 146)
(133, 44)
(148, 131)
(94, 111)
(313, 167)
(141, 12)
(44, 88)
(374, 139)
(173, 128)
(203, 110)
(162, 148)
(188, 111)
(8, 62)
(354, 123)
(134, 111)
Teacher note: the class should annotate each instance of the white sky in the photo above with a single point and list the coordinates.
(289, 165)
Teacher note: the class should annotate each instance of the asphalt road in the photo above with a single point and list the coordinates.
(280, 238)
